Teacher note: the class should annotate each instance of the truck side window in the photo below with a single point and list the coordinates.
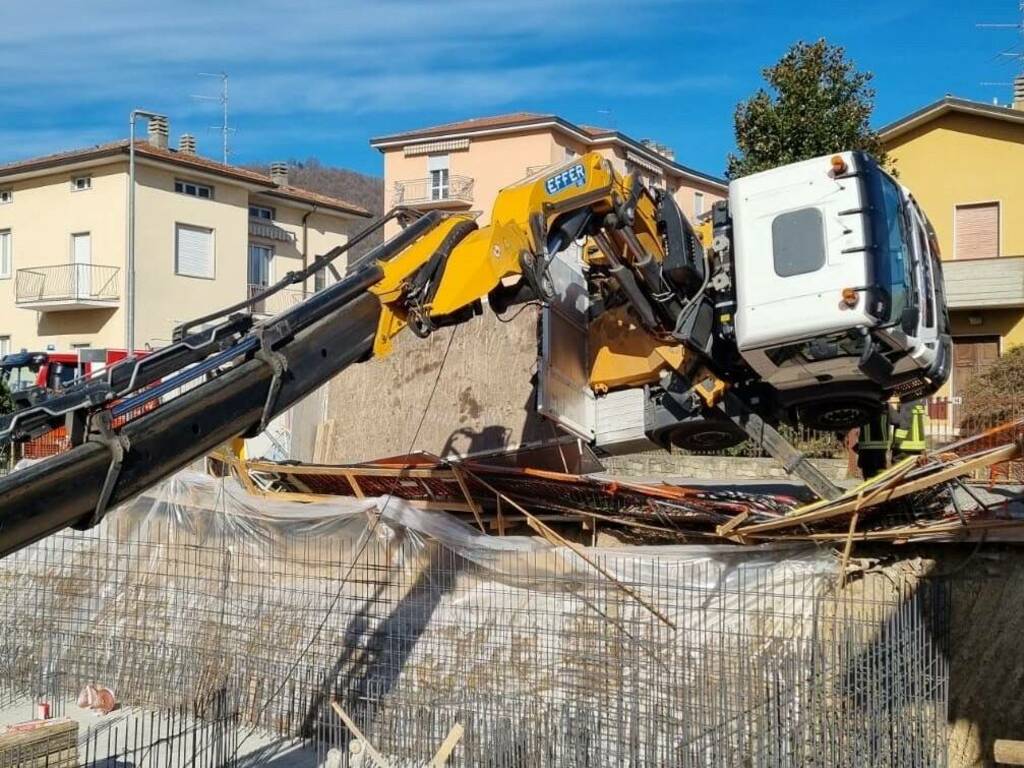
(798, 242)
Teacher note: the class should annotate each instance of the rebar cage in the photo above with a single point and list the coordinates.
(218, 621)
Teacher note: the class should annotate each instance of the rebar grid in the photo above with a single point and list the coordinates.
(543, 661)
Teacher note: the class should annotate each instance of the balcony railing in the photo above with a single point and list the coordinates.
(67, 287)
(984, 283)
(276, 303)
(458, 191)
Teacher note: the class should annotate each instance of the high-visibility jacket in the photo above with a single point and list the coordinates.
(911, 439)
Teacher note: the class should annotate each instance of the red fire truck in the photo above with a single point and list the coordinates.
(28, 373)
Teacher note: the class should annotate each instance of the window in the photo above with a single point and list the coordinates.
(81, 183)
(5, 254)
(798, 242)
(6, 196)
(192, 189)
(5, 345)
(698, 204)
(320, 279)
(977, 231)
(438, 167)
(193, 251)
(261, 212)
(260, 265)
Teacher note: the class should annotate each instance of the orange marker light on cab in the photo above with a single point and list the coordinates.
(850, 297)
(839, 166)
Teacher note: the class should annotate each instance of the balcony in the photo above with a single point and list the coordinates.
(984, 283)
(277, 303)
(425, 193)
(66, 287)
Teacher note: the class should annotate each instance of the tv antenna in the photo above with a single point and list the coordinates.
(224, 128)
(1016, 52)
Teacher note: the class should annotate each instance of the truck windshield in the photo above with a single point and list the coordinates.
(19, 377)
(893, 252)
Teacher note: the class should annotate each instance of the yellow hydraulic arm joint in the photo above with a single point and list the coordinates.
(466, 263)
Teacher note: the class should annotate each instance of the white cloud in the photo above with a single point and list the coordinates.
(87, 63)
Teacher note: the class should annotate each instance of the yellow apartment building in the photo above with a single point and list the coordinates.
(206, 235)
(463, 165)
(964, 162)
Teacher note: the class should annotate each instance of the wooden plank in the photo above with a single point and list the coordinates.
(440, 758)
(469, 499)
(355, 485)
(342, 471)
(726, 529)
(846, 504)
(376, 756)
(1008, 752)
(556, 538)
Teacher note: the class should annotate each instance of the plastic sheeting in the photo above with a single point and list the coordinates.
(197, 592)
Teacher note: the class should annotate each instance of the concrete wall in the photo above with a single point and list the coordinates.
(43, 215)
(664, 464)
(484, 401)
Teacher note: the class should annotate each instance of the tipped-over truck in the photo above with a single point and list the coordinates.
(812, 294)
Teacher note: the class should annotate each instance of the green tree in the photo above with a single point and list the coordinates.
(817, 103)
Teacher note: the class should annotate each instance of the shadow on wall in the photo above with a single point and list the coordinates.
(376, 654)
(83, 321)
(468, 441)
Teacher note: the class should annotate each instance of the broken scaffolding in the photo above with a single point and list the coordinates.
(202, 599)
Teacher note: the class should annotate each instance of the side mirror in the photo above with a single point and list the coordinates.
(909, 319)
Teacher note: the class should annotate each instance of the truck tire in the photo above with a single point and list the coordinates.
(837, 415)
(703, 435)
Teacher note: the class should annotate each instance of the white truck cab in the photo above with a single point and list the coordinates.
(837, 288)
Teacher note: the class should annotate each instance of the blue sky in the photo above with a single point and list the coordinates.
(320, 77)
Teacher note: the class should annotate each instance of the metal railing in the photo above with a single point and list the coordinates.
(67, 283)
(420, 191)
(276, 303)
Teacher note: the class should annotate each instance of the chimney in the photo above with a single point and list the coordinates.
(1018, 92)
(187, 144)
(158, 131)
(279, 174)
(658, 148)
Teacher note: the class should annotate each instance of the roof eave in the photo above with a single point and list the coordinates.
(944, 106)
(317, 205)
(381, 144)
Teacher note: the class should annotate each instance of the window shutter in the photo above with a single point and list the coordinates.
(194, 251)
(5, 254)
(437, 162)
(977, 231)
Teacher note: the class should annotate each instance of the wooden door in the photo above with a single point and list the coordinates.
(972, 355)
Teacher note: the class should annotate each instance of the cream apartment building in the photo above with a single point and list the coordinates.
(462, 166)
(207, 235)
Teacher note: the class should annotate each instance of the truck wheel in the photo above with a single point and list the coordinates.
(837, 415)
(702, 435)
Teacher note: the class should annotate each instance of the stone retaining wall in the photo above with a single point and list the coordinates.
(654, 463)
